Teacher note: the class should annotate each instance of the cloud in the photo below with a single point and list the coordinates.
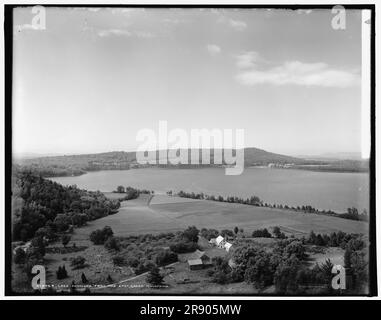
(237, 25)
(297, 73)
(247, 59)
(213, 49)
(125, 33)
(114, 32)
(306, 11)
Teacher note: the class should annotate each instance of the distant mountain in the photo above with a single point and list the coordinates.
(330, 156)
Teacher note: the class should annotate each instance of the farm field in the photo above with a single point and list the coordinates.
(161, 215)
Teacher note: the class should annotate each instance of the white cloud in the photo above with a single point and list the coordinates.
(299, 73)
(247, 59)
(125, 33)
(213, 49)
(237, 25)
(114, 32)
(306, 11)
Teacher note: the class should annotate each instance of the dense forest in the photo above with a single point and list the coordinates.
(44, 207)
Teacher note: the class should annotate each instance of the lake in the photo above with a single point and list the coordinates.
(323, 190)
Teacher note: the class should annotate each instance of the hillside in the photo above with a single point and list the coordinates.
(73, 165)
(120, 160)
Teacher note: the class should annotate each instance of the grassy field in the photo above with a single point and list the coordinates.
(165, 214)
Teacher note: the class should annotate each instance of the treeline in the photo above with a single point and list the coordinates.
(50, 171)
(48, 207)
(351, 214)
(131, 193)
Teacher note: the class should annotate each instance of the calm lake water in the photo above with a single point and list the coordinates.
(323, 190)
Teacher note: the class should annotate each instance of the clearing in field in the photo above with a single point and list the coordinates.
(167, 213)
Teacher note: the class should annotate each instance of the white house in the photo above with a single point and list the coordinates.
(220, 242)
(227, 246)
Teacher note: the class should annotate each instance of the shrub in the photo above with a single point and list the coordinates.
(100, 236)
(183, 247)
(19, 256)
(165, 257)
(261, 233)
(118, 260)
(78, 262)
(112, 244)
(227, 232)
(65, 240)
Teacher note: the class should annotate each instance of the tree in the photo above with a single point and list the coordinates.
(191, 234)
(65, 239)
(120, 189)
(83, 278)
(112, 244)
(276, 232)
(100, 236)
(19, 256)
(118, 260)
(154, 277)
(37, 248)
(259, 271)
(61, 273)
(236, 230)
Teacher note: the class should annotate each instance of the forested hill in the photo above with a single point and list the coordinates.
(119, 160)
(40, 206)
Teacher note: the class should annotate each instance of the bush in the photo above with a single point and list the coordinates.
(118, 260)
(78, 262)
(261, 233)
(209, 233)
(37, 247)
(19, 256)
(100, 236)
(65, 240)
(183, 247)
(112, 244)
(165, 257)
(227, 233)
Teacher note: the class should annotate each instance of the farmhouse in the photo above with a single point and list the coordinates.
(227, 246)
(220, 242)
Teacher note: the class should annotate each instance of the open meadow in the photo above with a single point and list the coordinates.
(168, 214)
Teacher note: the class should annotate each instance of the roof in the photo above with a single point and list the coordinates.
(228, 245)
(195, 262)
(219, 239)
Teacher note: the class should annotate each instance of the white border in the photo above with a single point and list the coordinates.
(182, 2)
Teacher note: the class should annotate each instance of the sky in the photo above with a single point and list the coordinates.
(94, 77)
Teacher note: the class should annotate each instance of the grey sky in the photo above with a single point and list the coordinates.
(93, 78)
